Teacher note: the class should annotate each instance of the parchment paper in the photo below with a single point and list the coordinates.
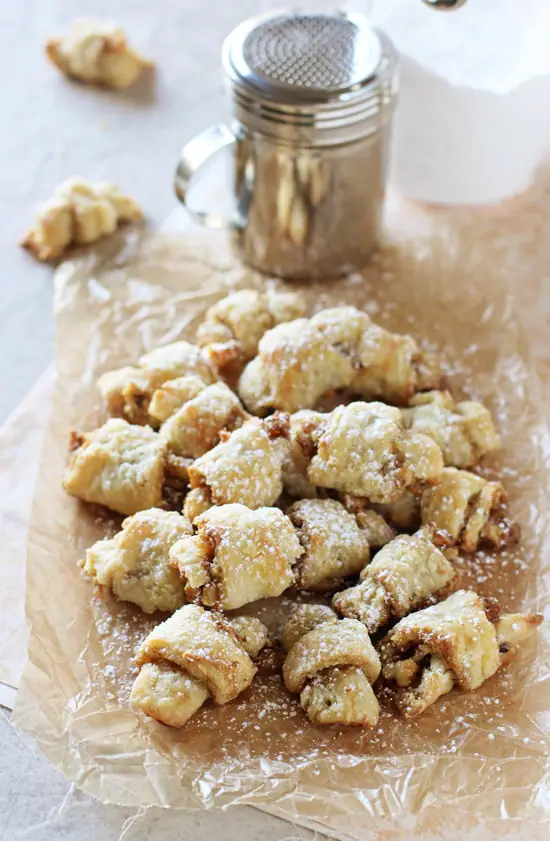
(486, 752)
(20, 446)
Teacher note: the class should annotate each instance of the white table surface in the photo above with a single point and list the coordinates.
(52, 129)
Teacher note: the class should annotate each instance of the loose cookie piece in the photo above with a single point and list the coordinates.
(97, 53)
(79, 213)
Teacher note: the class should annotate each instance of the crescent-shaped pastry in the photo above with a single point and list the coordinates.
(118, 465)
(364, 450)
(128, 391)
(245, 467)
(135, 563)
(237, 556)
(459, 642)
(332, 667)
(195, 655)
(403, 575)
(464, 431)
(232, 328)
(466, 510)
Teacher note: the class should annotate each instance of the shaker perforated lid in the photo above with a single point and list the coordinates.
(316, 71)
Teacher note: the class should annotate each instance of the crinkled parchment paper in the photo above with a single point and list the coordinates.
(479, 754)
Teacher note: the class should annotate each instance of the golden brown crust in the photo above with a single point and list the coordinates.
(294, 368)
(467, 510)
(302, 619)
(172, 395)
(233, 327)
(343, 695)
(332, 666)
(464, 431)
(78, 214)
(359, 451)
(161, 382)
(458, 630)
(118, 465)
(363, 449)
(388, 366)
(245, 468)
(135, 563)
(205, 646)
(453, 642)
(402, 576)
(195, 427)
(344, 643)
(167, 693)
(97, 53)
(334, 545)
(237, 556)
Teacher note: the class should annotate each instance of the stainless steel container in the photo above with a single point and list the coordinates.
(312, 100)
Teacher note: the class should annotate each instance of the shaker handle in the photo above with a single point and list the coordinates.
(193, 156)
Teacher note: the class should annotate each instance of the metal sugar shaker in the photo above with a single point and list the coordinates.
(312, 99)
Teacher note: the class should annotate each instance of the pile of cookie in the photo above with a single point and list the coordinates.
(366, 506)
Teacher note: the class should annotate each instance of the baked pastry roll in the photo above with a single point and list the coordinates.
(334, 547)
(466, 510)
(195, 427)
(97, 53)
(172, 395)
(403, 575)
(302, 619)
(299, 452)
(388, 366)
(403, 513)
(332, 667)
(456, 642)
(337, 348)
(78, 214)
(376, 529)
(118, 465)
(245, 467)
(135, 564)
(464, 431)
(192, 656)
(295, 367)
(237, 556)
(363, 449)
(128, 391)
(233, 327)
